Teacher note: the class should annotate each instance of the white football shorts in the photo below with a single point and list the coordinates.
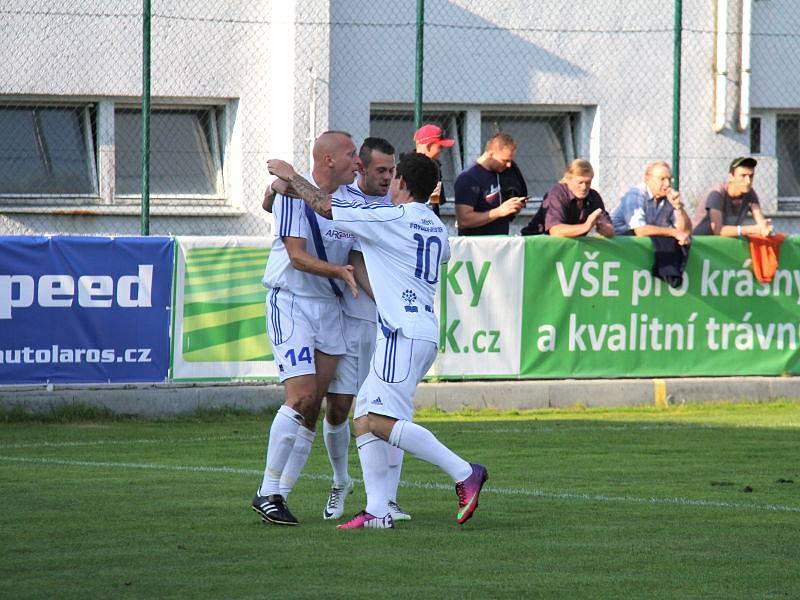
(359, 337)
(297, 326)
(398, 365)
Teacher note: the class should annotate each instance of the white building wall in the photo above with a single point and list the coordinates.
(610, 60)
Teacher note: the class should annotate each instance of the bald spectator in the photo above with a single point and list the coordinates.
(723, 210)
(653, 208)
(429, 141)
(490, 192)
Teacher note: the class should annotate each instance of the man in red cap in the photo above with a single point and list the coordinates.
(429, 141)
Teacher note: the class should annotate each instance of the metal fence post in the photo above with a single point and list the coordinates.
(419, 64)
(676, 95)
(145, 117)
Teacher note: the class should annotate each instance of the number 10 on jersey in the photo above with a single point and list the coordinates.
(427, 269)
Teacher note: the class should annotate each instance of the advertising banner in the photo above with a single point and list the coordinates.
(84, 309)
(480, 308)
(220, 322)
(593, 309)
(537, 307)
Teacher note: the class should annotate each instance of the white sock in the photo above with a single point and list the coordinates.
(297, 459)
(282, 434)
(372, 452)
(337, 442)
(423, 444)
(395, 465)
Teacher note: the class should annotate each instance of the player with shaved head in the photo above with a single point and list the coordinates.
(306, 274)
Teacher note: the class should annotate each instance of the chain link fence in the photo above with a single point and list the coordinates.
(238, 81)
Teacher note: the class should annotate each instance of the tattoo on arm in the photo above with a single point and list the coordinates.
(319, 201)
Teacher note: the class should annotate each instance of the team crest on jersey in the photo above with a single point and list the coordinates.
(409, 297)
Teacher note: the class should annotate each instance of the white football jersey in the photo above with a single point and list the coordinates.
(292, 219)
(362, 307)
(403, 247)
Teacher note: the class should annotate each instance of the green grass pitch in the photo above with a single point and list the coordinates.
(685, 502)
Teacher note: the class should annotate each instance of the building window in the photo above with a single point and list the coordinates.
(46, 150)
(185, 159)
(545, 144)
(788, 154)
(546, 141)
(755, 135)
(398, 129)
(90, 155)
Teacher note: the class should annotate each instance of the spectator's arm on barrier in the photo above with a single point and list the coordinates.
(650, 230)
(604, 226)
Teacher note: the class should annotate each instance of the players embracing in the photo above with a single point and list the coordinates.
(403, 245)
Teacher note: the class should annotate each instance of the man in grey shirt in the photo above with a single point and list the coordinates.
(724, 209)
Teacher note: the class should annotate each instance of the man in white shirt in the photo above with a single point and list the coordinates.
(403, 246)
(304, 322)
(371, 188)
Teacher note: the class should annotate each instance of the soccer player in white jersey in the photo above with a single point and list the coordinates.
(304, 324)
(403, 246)
(371, 188)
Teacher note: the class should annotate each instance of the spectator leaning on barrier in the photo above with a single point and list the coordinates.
(571, 208)
(724, 209)
(653, 208)
(429, 141)
(490, 192)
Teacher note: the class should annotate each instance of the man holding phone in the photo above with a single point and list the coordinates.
(492, 191)
(653, 208)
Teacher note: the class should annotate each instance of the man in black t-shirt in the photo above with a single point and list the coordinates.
(490, 192)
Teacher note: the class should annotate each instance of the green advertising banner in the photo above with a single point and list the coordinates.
(593, 309)
(538, 307)
(219, 323)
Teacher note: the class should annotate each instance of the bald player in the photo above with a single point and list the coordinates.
(306, 274)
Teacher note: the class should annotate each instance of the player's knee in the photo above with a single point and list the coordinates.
(360, 426)
(380, 426)
(337, 409)
(307, 405)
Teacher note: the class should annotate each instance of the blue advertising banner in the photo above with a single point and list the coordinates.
(84, 309)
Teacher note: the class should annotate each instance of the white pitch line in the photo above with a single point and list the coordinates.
(503, 491)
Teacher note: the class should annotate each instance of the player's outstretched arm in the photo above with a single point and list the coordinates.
(319, 201)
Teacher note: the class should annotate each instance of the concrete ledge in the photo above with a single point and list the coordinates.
(178, 398)
(145, 400)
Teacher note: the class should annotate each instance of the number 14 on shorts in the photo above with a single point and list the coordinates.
(303, 356)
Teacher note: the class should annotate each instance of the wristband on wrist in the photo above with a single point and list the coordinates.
(739, 231)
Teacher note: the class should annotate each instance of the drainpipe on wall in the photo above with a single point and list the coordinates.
(720, 87)
(744, 79)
